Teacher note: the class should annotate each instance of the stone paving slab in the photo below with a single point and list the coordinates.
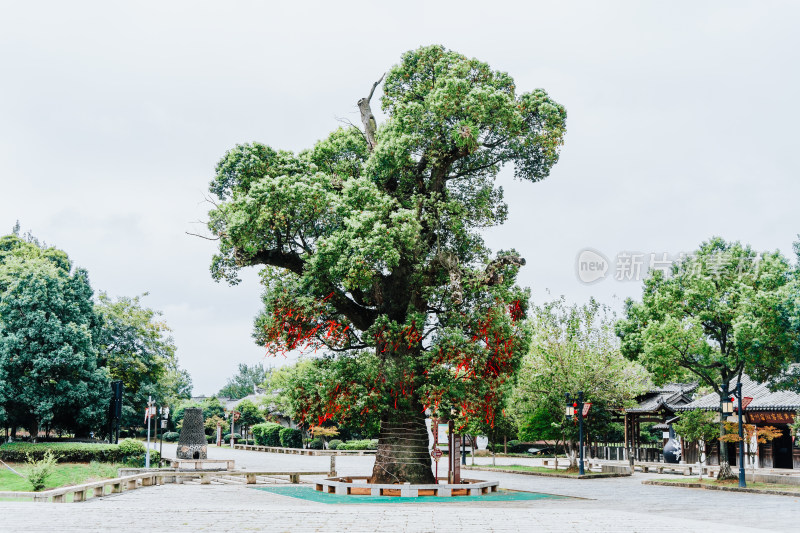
(225, 508)
(615, 504)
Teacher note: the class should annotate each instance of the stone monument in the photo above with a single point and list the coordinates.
(192, 443)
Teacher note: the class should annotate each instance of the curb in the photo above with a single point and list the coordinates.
(703, 486)
(546, 474)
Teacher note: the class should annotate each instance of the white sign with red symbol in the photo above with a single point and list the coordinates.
(586, 408)
(436, 453)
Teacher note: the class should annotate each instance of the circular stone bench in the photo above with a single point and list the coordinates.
(359, 486)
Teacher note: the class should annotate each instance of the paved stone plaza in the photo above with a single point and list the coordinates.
(614, 504)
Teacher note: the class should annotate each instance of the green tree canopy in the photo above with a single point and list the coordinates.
(573, 350)
(244, 382)
(135, 345)
(372, 248)
(250, 413)
(723, 311)
(49, 373)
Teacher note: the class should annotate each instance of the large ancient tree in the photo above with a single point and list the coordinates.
(372, 250)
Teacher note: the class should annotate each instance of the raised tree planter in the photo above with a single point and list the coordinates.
(360, 486)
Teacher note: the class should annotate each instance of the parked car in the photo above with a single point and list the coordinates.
(541, 451)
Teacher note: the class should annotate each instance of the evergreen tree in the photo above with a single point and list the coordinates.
(372, 248)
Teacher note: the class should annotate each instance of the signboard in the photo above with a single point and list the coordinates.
(586, 408)
(441, 437)
(769, 417)
(436, 453)
(746, 401)
(236, 415)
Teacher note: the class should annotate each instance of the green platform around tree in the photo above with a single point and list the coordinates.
(308, 493)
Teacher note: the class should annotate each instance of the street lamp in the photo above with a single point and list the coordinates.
(575, 408)
(727, 407)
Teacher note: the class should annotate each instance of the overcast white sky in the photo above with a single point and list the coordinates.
(682, 124)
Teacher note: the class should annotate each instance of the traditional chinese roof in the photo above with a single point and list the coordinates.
(668, 396)
(763, 398)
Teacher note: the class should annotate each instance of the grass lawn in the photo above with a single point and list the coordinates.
(732, 483)
(523, 468)
(63, 474)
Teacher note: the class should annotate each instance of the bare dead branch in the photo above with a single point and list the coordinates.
(201, 236)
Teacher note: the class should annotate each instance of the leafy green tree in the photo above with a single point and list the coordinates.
(722, 312)
(697, 426)
(790, 380)
(499, 427)
(372, 248)
(250, 414)
(211, 407)
(244, 382)
(49, 373)
(136, 346)
(542, 424)
(573, 350)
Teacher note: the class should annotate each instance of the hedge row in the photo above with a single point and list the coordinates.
(366, 444)
(128, 451)
(267, 434)
(291, 438)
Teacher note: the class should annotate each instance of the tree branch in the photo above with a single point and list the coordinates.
(367, 118)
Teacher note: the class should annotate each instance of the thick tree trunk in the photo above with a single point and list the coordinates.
(403, 455)
(725, 472)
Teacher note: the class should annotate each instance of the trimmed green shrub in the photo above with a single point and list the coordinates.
(171, 436)
(39, 471)
(139, 460)
(365, 444)
(211, 439)
(291, 438)
(315, 444)
(227, 437)
(131, 447)
(334, 444)
(65, 452)
(267, 434)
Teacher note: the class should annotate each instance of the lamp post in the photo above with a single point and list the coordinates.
(573, 405)
(164, 418)
(726, 406)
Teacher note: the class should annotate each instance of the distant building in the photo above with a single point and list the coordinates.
(767, 408)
